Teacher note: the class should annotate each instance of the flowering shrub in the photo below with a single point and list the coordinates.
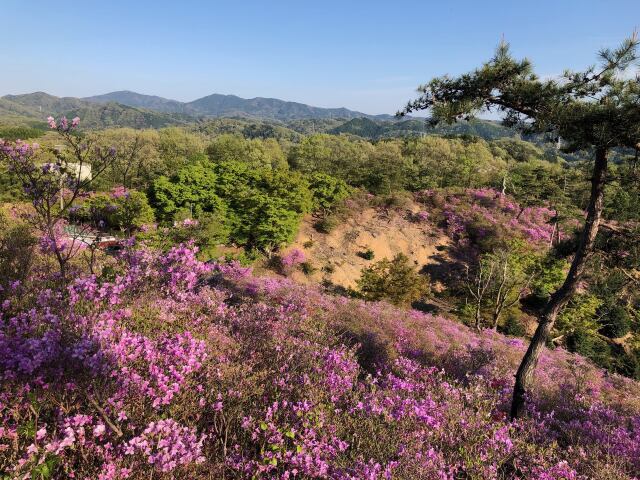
(186, 223)
(167, 367)
(54, 188)
(481, 216)
(166, 444)
(291, 260)
(159, 365)
(64, 124)
(421, 217)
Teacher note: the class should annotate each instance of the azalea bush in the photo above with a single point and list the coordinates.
(289, 261)
(53, 180)
(485, 218)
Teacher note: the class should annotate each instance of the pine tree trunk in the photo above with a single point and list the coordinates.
(560, 297)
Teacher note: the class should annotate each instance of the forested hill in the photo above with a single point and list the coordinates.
(138, 100)
(158, 110)
(130, 109)
(217, 105)
(34, 108)
(372, 129)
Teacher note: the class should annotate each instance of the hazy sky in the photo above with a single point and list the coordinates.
(364, 55)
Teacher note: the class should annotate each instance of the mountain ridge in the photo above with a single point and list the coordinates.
(153, 110)
(134, 99)
(223, 105)
(37, 106)
(126, 108)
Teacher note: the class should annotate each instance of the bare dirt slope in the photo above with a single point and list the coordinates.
(385, 232)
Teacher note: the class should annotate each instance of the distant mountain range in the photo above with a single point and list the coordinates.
(217, 105)
(131, 109)
(226, 113)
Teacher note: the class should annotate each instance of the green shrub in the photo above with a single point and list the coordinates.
(208, 232)
(395, 200)
(132, 211)
(10, 188)
(367, 254)
(591, 346)
(20, 133)
(394, 280)
(17, 253)
(513, 326)
(329, 268)
(629, 364)
(262, 207)
(615, 322)
(551, 275)
(326, 224)
(246, 258)
(308, 268)
(327, 191)
(193, 188)
(126, 210)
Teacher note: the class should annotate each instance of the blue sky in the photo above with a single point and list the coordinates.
(364, 55)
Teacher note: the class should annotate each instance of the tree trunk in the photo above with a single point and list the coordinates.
(560, 297)
(501, 296)
(496, 320)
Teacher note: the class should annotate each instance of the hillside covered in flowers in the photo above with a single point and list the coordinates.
(173, 368)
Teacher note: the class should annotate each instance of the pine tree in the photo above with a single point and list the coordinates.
(594, 110)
